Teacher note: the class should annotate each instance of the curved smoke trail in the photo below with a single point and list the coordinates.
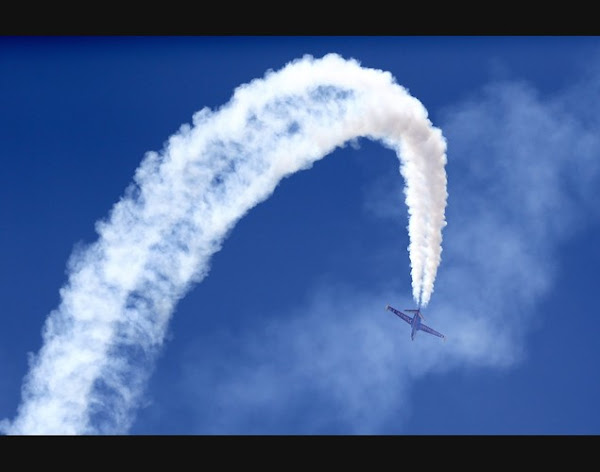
(158, 240)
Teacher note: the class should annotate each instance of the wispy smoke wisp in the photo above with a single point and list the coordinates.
(99, 344)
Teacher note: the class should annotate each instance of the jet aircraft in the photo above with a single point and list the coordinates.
(415, 322)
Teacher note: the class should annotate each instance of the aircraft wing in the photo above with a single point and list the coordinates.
(427, 329)
(404, 316)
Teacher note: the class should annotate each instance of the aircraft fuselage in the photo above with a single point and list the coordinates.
(416, 321)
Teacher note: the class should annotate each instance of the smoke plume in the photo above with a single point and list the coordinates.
(100, 343)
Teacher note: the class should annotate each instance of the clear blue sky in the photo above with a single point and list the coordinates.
(288, 334)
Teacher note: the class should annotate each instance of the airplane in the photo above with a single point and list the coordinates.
(415, 322)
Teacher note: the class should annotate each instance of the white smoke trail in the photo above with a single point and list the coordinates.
(100, 342)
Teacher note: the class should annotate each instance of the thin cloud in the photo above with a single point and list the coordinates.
(514, 157)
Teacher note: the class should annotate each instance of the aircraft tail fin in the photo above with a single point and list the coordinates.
(418, 312)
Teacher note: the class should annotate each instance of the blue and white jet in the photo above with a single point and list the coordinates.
(415, 322)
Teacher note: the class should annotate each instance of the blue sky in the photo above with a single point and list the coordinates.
(287, 333)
